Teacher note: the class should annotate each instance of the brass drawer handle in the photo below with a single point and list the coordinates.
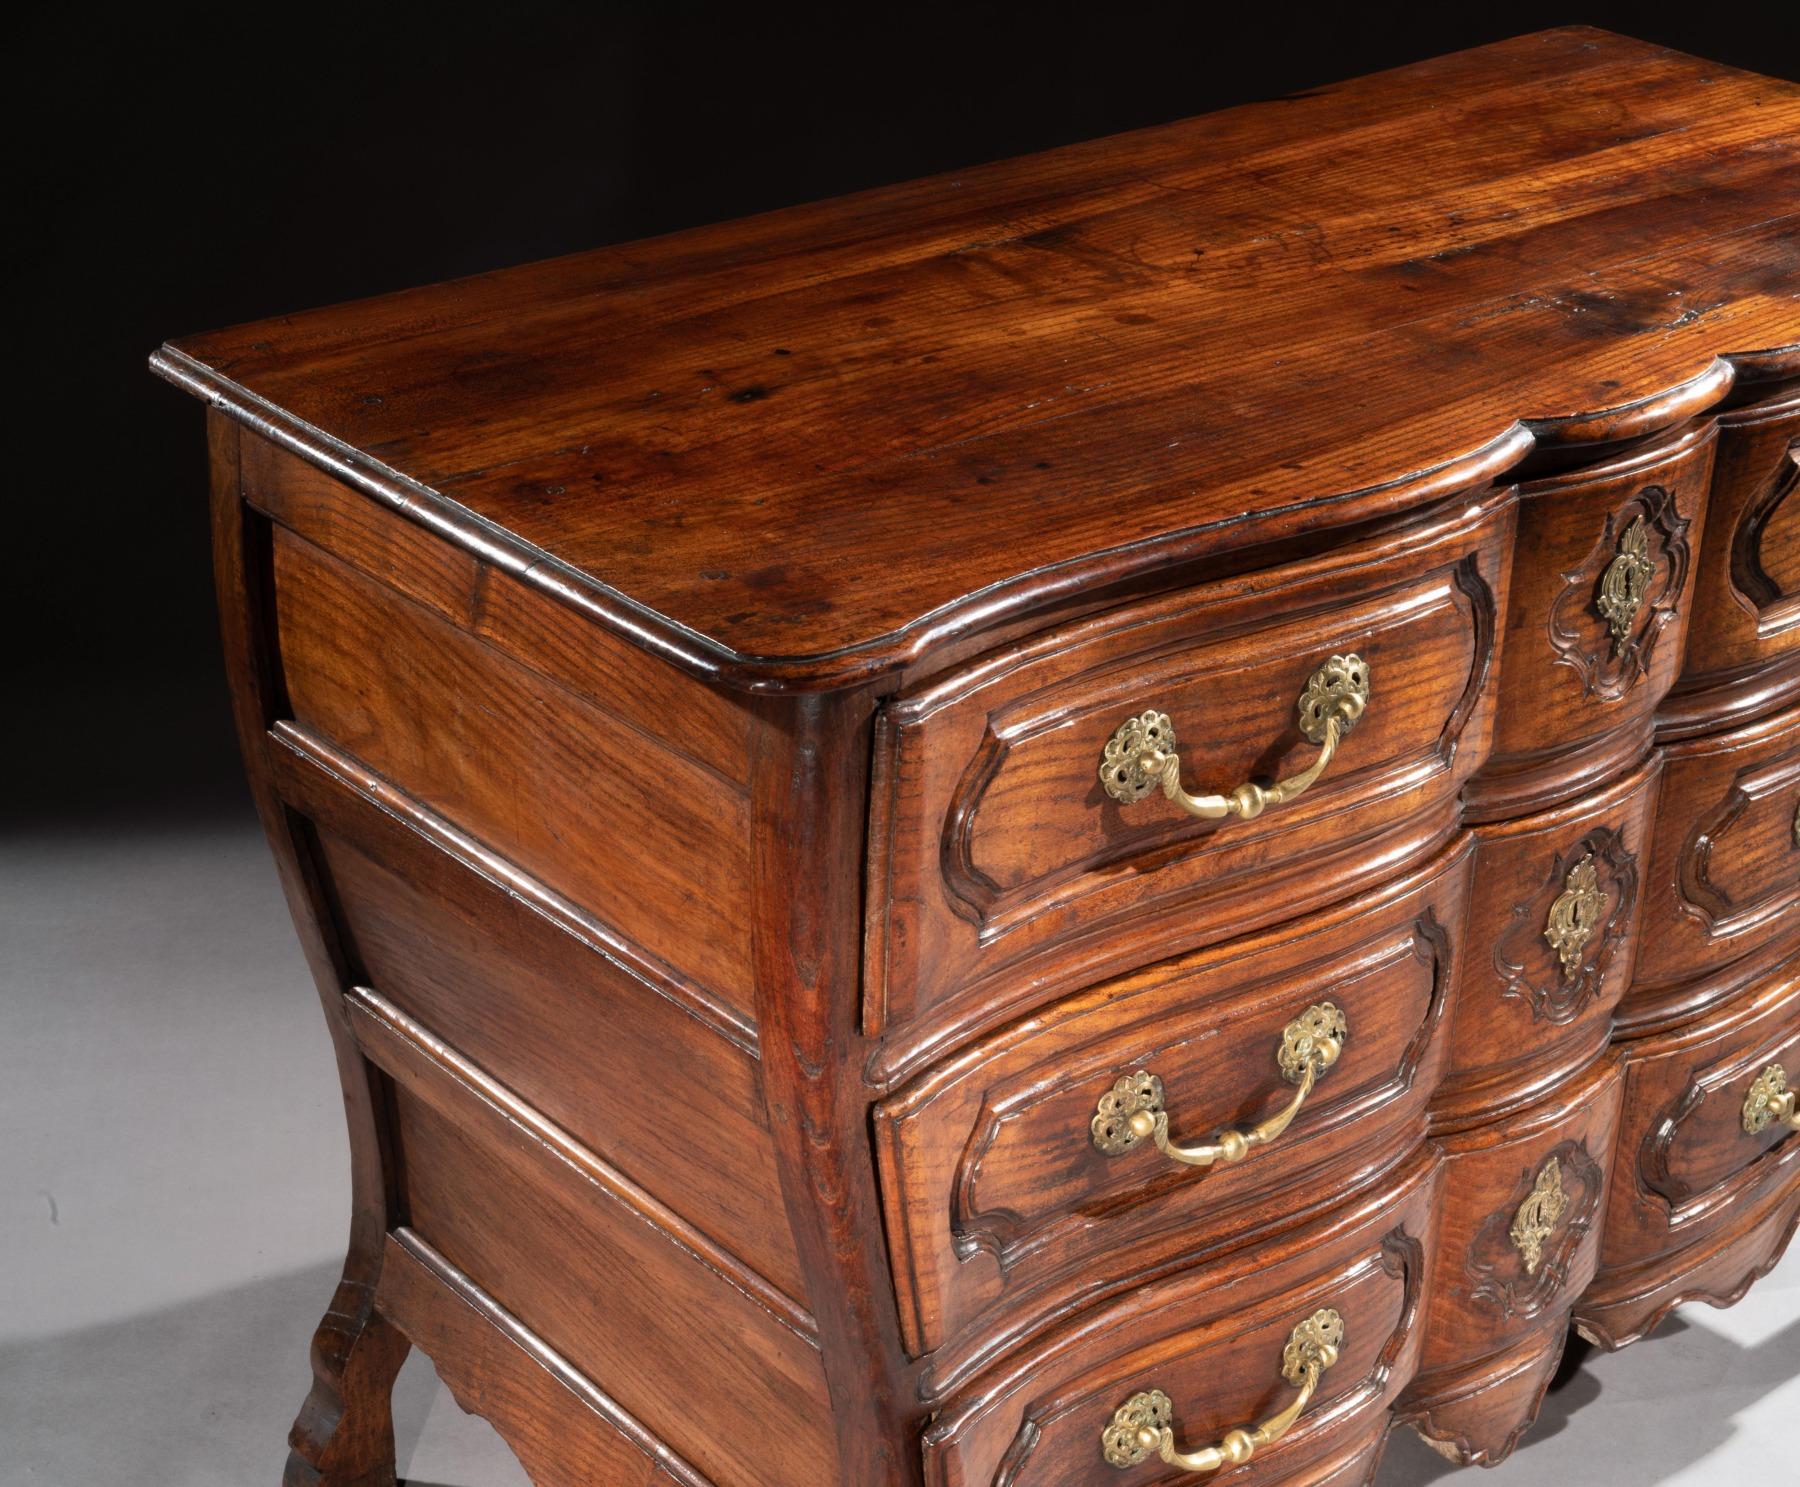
(1770, 1102)
(1143, 1423)
(1133, 1108)
(1140, 756)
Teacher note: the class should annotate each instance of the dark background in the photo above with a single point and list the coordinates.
(190, 166)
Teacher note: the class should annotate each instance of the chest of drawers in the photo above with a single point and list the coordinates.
(1128, 814)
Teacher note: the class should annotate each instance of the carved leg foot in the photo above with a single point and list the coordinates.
(1476, 1415)
(344, 1436)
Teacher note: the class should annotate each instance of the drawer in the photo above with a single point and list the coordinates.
(1686, 1164)
(1013, 1187)
(1002, 869)
(1724, 874)
(1214, 1343)
(1744, 636)
(1554, 925)
(1518, 1240)
(1602, 582)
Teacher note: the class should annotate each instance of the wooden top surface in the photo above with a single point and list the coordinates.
(798, 449)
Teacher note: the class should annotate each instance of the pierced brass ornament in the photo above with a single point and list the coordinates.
(1577, 913)
(1144, 1424)
(1770, 1102)
(1626, 582)
(1132, 1111)
(1140, 757)
(1538, 1215)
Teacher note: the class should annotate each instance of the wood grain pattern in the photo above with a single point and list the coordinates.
(1684, 1168)
(673, 681)
(1524, 1020)
(1212, 1340)
(996, 1196)
(575, 1038)
(564, 1430)
(1576, 702)
(1724, 866)
(650, 843)
(1498, 1321)
(520, 1214)
(980, 893)
(878, 390)
(1746, 608)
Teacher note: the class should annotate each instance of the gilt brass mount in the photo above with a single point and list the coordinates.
(1140, 757)
(1576, 914)
(1626, 581)
(1144, 1425)
(1770, 1102)
(1537, 1217)
(1133, 1111)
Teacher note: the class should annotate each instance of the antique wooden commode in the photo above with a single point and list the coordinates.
(1129, 813)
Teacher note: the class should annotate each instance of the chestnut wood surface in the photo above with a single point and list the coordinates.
(974, 884)
(1501, 1290)
(1578, 695)
(1723, 878)
(993, 1185)
(805, 447)
(1213, 1341)
(1527, 1016)
(1744, 629)
(674, 681)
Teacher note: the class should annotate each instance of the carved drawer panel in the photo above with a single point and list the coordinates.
(1016, 1181)
(1724, 868)
(1744, 638)
(1601, 586)
(1003, 866)
(1207, 1351)
(1519, 1238)
(1554, 918)
(1704, 1155)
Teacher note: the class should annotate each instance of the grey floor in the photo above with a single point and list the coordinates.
(173, 1190)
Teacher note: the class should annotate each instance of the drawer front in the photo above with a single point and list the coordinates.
(1554, 917)
(1013, 1187)
(1212, 1342)
(1519, 1235)
(1602, 584)
(1747, 590)
(1001, 867)
(1724, 877)
(1686, 1164)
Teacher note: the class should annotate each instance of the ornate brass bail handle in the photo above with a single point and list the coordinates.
(1140, 757)
(1770, 1102)
(1144, 1424)
(1132, 1110)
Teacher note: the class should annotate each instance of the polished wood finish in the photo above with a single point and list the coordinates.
(1723, 878)
(714, 441)
(974, 884)
(1499, 1312)
(1744, 634)
(999, 1207)
(1577, 702)
(1699, 1207)
(674, 683)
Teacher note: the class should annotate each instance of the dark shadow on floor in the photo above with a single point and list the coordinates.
(1713, 1376)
